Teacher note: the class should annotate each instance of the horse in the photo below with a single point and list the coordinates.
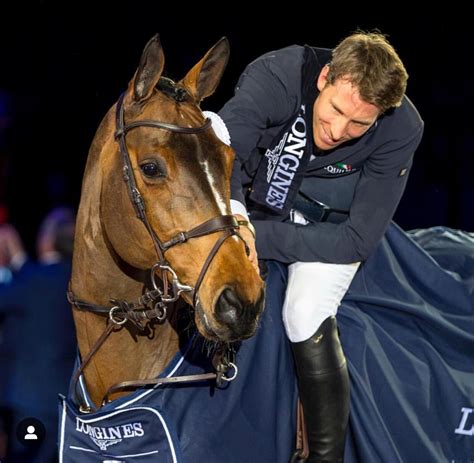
(154, 226)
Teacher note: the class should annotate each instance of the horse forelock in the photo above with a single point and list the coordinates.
(171, 89)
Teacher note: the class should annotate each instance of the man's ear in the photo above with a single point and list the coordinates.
(322, 79)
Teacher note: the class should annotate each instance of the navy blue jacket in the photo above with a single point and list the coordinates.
(267, 95)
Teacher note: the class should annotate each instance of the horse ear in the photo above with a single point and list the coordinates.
(149, 70)
(202, 80)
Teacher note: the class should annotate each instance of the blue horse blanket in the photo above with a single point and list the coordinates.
(407, 328)
(251, 419)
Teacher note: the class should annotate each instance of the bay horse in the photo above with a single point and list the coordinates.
(154, 224)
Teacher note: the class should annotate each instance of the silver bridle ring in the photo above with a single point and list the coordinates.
(236, 371)
(115, 320)
(152, 275)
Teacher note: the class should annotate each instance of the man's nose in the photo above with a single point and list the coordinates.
(338, 129)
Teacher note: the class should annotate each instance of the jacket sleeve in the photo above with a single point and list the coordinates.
(377, 194)
(262, 99)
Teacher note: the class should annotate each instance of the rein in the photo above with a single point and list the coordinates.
(139, 313)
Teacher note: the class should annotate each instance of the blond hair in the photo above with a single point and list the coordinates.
(371, 64)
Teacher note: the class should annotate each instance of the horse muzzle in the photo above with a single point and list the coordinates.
(234, 319)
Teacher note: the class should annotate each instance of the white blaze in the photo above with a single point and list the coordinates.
(218, 197)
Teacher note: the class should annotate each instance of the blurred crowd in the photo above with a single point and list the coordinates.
(37, 338)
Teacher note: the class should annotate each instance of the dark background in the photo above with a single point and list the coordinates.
(62, 67)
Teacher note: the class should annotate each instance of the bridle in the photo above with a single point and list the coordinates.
(226, 223)
(139, 312)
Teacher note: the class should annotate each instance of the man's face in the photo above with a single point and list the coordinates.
(339, 114)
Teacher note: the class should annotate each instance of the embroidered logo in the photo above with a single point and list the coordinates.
(273, 156)
(104, 437)
(339, 168)
(103, 444)
(284, 160)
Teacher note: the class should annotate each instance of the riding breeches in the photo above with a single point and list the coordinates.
(314, 293)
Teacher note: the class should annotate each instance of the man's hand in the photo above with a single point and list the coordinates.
(248, 237)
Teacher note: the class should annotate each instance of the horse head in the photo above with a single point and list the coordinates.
(172, 213)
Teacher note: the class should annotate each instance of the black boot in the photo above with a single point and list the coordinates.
(323, 383)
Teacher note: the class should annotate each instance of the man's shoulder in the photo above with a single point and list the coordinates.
(280, 68)
(410, 113)
(283, 56)
(293, 56)
(404, 120)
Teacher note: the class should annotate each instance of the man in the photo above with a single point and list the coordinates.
(324, 142)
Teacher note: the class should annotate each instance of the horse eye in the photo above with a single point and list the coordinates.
(151, 169)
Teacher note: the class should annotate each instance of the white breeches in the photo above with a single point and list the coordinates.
(314, 293)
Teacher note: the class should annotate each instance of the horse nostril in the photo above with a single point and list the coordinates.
(228, 308)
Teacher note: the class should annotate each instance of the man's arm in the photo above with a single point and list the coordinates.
(377, 195)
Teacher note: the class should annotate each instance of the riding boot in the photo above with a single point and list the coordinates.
(323, 383)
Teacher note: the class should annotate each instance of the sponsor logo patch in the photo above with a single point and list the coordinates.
(105, 436)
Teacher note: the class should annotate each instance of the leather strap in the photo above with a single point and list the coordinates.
(154, 382)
